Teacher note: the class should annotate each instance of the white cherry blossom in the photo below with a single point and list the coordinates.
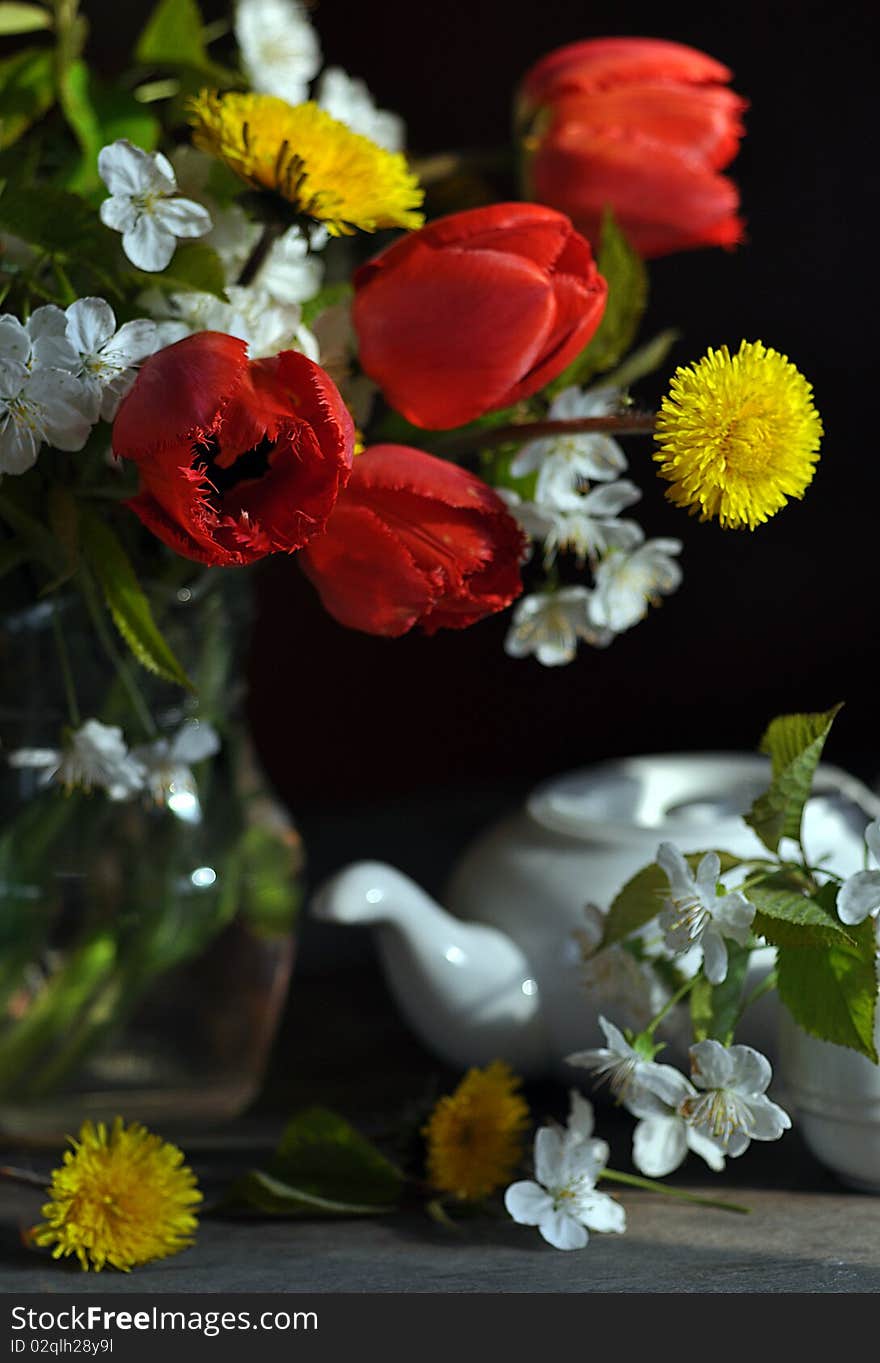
(562, 1200)
(279, 48)
(550, 625)
(291, 272)
(588, 457)
(614, 978)
(627, 1072)
(695, 914)
(583, 523)
(663, 1137)
(732, 1106)
(251, 314)
(94, 756)
(145, 206)
(859, 896)
(107, 359)
(349, 100)
(37, 407)
(168, 764)
(628, 581)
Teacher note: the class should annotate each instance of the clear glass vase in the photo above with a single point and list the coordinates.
(145, 943)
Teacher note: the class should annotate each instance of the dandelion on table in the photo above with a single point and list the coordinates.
(122, 1197)
(474, 1136)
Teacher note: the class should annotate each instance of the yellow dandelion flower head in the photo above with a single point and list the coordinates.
(738, 435)
(122, 1197)
(475, 1135)
(311, 159)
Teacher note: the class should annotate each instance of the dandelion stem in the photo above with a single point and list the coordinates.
(271, 232)
(652, 1186)
(519, 432)
(23, 1176)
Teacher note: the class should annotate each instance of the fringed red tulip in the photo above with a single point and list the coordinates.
(475, 311)
(640, 126)
(237, 458)
(414, 540)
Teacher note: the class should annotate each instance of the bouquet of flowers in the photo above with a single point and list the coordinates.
(241, 319)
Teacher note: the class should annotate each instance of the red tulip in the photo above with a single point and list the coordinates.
(237, 458)
(642, 127)
(475, 311)
(414, 540)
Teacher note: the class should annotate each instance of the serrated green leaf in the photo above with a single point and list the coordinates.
(788, 918)
(127, 603)
(322, 1167)
(22, 18)
(194, 266)
(642, 897)
(831, 992)
(794, 745)
(627, 279)
(27, 92)
(715, 1007)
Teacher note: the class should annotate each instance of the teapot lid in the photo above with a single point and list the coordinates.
(673, 795)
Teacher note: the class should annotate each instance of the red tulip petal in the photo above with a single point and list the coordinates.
(662, 204)
(579, 310)
(365, 576)
(179, 394)
(599, 63)
(447, 334)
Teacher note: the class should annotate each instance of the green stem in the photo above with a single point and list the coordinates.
(768, 983)
(670, 1004)
(519, 432)
(652, 1186)
(93, 605)
(66, 669)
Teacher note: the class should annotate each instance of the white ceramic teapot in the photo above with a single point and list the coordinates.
(499, 972)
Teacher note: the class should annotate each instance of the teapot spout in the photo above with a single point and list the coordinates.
(466, 989)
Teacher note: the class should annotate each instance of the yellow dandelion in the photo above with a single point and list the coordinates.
(122, 1197)
(315, 162)
(738, 436)
(475, 1135)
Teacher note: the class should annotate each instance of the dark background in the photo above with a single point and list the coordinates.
(402, 749)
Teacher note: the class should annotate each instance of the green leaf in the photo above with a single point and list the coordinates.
(831, 992)
(715, 1008)
(98, 115)
(642, 897)
(126, 601)
(643, 361)
(55, 220)
(322, 1167)
(794, 745)
(41, 542)
(786, 917)
(27, 92)
(194, 266)
(328, 297)
(21, 18)
(174, 37)
(627, 280)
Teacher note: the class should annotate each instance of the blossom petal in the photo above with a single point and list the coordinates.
(705, 1147)
(119, 214)
(124, 168)
(858, 897)
(601, 1212)
(678, 873)
(733, 915)
(183, 217)
(872, 838)
(711, 1064)
(714, 955)
(549, 1150)
(659, 1145)
(708, 872)
(561, 1231)
(769, 1120)
(90, 324)
(527, 1202)
(148, 245)
(750, 1071)
(133, 342)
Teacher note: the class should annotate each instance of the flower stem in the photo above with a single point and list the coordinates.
(66, 669)
(518, 433)
(271, 232)
(653, 1186)
(23, 1176)
(670, 1004)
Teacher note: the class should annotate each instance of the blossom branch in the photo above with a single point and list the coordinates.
(653, 1186)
